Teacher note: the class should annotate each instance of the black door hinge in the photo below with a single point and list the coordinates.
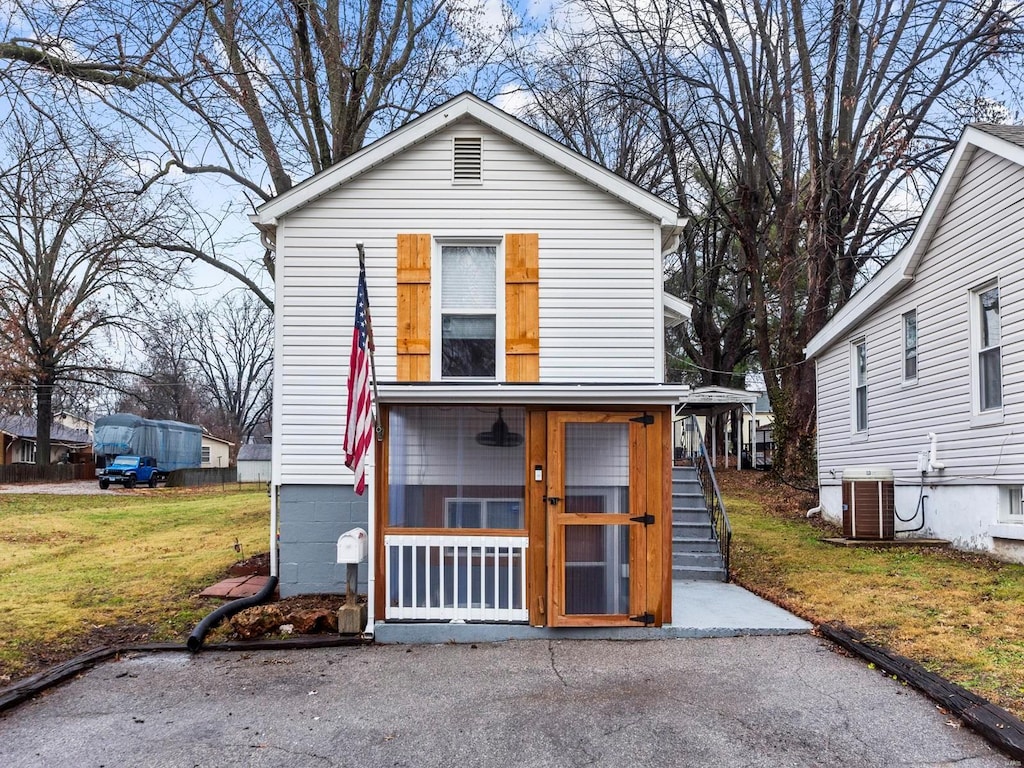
(647, 419)
(644, 618)
(645, 519)
(552, 499)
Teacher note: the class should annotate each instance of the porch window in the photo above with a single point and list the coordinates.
(455, 546)
(457, 467)
(468, 311)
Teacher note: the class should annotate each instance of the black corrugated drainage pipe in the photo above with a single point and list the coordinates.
(195, 640)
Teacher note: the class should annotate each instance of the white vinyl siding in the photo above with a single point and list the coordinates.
(974, 243)
(600, 280)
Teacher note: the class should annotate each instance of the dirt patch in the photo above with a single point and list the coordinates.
(776, 499)
(257, 565)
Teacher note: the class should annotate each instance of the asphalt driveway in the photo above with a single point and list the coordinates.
(754, 701)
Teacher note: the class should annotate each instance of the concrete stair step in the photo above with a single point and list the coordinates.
(681, 573)
(686, 486)
(694, 544)
(690, 516)
(697, 559)
(697, 530)
(690, 503)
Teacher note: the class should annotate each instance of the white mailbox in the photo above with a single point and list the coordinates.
(352, 546)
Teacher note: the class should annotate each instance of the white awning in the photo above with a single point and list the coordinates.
(566, 394)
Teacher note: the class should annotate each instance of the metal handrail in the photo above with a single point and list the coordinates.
(712, 496)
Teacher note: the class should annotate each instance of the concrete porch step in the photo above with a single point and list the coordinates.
(697, 559)
(690, 516)
(694, 544)
(698, 573)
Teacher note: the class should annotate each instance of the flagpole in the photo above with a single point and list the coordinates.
(377, 428)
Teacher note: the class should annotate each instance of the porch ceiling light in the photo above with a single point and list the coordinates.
(499, 435)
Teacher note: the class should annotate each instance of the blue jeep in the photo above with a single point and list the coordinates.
(129, 470)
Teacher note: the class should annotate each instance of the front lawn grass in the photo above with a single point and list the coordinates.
(960, 615)
(79, 571)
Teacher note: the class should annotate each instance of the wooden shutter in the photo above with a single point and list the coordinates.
(522, 308)
(413, 342)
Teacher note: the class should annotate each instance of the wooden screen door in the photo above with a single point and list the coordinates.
(596, 525)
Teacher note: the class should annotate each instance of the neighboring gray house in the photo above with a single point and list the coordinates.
(67, 443)
(933, 345)
(516, 291)
(253, 462)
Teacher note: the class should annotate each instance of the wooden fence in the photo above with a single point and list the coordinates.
(191, 478)
(51, 473)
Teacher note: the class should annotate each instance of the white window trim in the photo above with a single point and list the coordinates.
(855, 433)
(1006, 504)
(991, 415)
(499, 305)
(904, 379)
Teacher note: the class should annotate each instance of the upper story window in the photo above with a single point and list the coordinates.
(469, 311)
(860, 386)
(910, 345)
(987, 348)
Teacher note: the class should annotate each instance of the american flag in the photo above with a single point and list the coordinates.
(359, 414)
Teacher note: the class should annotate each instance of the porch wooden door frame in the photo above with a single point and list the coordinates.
(643, 534)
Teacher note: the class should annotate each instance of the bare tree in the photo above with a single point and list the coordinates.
(587, 94)
(829, 114)
(69, 270)
(255, 92)
(231, 346)
(167, 385)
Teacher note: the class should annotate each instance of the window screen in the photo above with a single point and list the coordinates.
(444, 471)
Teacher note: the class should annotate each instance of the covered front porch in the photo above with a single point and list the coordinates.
(543, 506)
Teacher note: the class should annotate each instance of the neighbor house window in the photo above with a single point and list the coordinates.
(206, 454)
(28, 452)
(469, 311)
(1011, 509)
(910, 345)
(988, 339)
(860, 386)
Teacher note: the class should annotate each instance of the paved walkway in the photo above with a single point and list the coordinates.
(771, 701)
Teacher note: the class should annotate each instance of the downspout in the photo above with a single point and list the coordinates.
(195, 640)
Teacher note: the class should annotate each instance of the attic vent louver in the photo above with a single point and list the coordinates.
(467, 163)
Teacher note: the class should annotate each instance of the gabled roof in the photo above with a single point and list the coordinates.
(24, 428)
(1003, 140)
(255, 452)
(208, 436)
(461, 107)
(676, 310)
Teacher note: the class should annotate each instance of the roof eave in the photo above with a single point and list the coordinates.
(901, 270)
(465, 105)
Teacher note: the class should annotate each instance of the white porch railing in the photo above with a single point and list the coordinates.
(460, 577)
